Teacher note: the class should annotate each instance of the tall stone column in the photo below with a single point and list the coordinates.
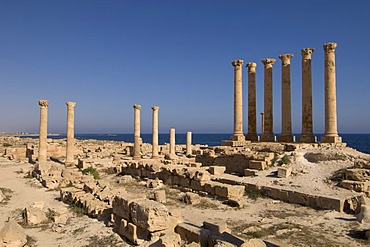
(268, 132)
(262, 122)
(331, 133)
(137, 140)
(155, 132)
(172, 142)
(43, 148)
(70, 133)
(286, 104)
(188, 143)
(238, 102)
(307, 122)
(252, 112)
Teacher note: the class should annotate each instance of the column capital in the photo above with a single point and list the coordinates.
(268, 62)
(251, 67)
(285, 58)
(237, 64)
(70, 104)
(330, 47)
(137, 107)
(43, 103)
(155, 108)
(307, 51)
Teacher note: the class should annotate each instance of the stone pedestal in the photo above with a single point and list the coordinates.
(70, 133)
(137, 139)
(268, 133)
(188, 143)
(238, 102)
(286, 105)
(307, 135)
(43, 149)
(331, 133)
(252, 112)
(155, 132)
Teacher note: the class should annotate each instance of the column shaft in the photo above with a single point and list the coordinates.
(252, 112)
(238, 102)
(70, 133)
(331, 133)
(286, 105)
(172, 142)
(268, 133)
(307, 119)
(137, 155)
(43, 133)
(155, 132)
(188, 143)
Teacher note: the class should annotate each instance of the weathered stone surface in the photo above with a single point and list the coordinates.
(217, 170)
(257, 165)
(364, 215)
(284, 172)
(149, 215)
(229, 191)
(216, 227)
(355, 185)
(192, 233)
(34, 216)
(361, 175)
(12, 235)
(121, 205)
(170, 239)
(160, 196)
(191, 198)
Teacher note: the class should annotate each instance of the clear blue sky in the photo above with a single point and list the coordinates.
(108, 55)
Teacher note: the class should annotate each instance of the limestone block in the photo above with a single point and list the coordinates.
(361, 175)
(170, 239)
(330, 203)
(284, 172)
(364, 215)
(355, 185)
(12, 235)
(197, 185)
(229, 191)
(185, 182)
(216, 227)
(192, 233)
(34, 216)
(202, 176)
(121, 205)
(191, 198)
(51, 182)
(149, 215)
(160, 196)
(217, 170)
(257, 165)
(250, 172)
(209, 187)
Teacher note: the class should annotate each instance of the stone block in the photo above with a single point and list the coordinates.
(229, 191)
(202, 176)
(12, 234)
(149, 215)
(192, 233)
(121, 205)
(160, 196)
(217, 170)
(191, 198)
(197, 185)
(330, 203)
(209, 187)
(284, 172)
(364, 215)
(34, 216)
(257, 165)
(216, 227)
(355, 185)
(185, 182)
(250, 172)
(361, 175)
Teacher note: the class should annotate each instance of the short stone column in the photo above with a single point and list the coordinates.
(172, 142)
(137, 139)
(188, 143)
(331, 133)
(252, 112)
(43, 134)
(238, 102)
(70, 133)
(286, 104)
(268, 132)
(307, 122)
(155, 132)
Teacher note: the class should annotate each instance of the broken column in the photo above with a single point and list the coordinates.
(268, 132)
(252, 118)
(286, 105)
(70, 133)
(43, 149)
(172, 142)
(331, 133)
(238, 102)
(137, 155)
(307, 122)
(155, 132)
(188, 143)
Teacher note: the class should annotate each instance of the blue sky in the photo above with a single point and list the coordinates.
(109, 55)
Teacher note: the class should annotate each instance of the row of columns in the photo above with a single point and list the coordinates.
(43, 132)
(155, 147)
(330, 135)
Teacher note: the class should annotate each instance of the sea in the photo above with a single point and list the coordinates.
(360, 142)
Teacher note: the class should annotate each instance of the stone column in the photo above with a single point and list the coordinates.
(70, 133)
(172, 142)
(262, 122)
(238, 102)
(331, 133)
(307, 122)
(252, 113)
(188, 143)
(137, 155)
(286, 105)
(268, 132)
(155, 132)
(43, 146)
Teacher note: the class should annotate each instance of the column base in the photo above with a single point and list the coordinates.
(235, 143)
(331, 139)
(238, 138)
(251, 137)
(307, 139)
(286, 138)
(268, 137)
